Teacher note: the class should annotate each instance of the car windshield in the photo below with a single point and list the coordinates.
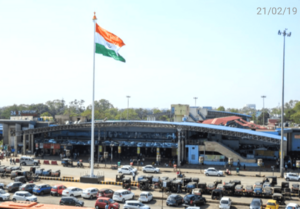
(224, 202)
(116, 193)
(54, 187)
(37, 187)
(28, 195)
(290, 207)
(111, 201)
(2, 192)
(143, 194)
(255, 203)
(270, 203)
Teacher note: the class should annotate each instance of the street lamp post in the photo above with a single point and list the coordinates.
(127, 105)
(263, 109)
(284, 33)
(195, 98)
(111, 155)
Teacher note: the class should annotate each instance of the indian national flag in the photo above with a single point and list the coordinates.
(108, 44)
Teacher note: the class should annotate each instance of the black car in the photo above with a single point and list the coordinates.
(194, 200)
(174, 199)
(71, 201)
(20, 179)
(14, 186)
(27, 187)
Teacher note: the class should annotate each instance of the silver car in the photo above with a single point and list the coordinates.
(90, 193)
(24, 196)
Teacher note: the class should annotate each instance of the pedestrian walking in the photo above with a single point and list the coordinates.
(10, 161)
(133, 176)
(244, 167)
(106, 206)
(14, 162)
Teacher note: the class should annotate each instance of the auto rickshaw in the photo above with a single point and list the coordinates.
(190, 186)
(257, 183)
(228, 189)
(248, 190)
(149, 177)
(126, 183)
(279, 198)
(277, 189)
(119, 177)
(175, 184)
(210, 187)
(286, 192)
(267, 192)
(166, 185)
(284, 185)
(14, 174)
(33, 168)
(216, 194)
(144, 185)
(235, 182)
(141, 177)
(164, 178)
(273, 180)
(238, 190)
(66, 162)
(55, 173)
(257, 191)
(156, 182)
(202, 186)
(295, 188)
(216, 182)
(272, 204)
(197, 191)
(186, 180)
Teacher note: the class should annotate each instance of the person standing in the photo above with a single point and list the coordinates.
(133, 176)
(106, 206)
(10, 160)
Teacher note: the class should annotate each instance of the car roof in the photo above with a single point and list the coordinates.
(133, 201)
(225, 198)
(71, 187)
(90, 188)
(22, 192)
(122, 190)
(104, 198)
(148, 165)
(211, 168)
(57, 185)
(292, 204)
(144, 192)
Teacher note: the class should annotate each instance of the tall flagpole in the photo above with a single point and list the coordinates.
(93, 101)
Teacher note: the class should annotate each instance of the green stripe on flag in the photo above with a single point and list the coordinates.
(100, 49)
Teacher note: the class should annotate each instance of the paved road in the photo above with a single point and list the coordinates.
(110, 176)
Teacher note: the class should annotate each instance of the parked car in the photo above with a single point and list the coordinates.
(146, 197)
(27, 187)
(41, 189)
(225, 203)
(102, 201)
(71, 201)
(72, 191)
(57, 190)
(150, 168)
(106, 193)
(272, 204)
(2, 185)
(90, 193)
(20, 179)
(24, 196)
(122, 195)
(213, 172)
(292, 206)
(4, 195)
(135, 205)
(24, 160)
(13, 186)
(292, 177)
(174, 199)
(194, 200)
(126, 170)
(256, 203)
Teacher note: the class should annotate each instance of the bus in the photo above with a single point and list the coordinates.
(35, 205)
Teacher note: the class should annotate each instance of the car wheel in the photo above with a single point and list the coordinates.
(123, 200)
(91, 197)
(156, 171)
(97, 207)
(206, 174)
(14, 200)
(23, 163)
(144, 171)
(61, 203)
(287, 179)
(42, 193)
(35, 164)
(78, 205)
(72, 195)
(219, 174)
(1, 199)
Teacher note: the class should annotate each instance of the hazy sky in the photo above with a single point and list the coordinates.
(219, 51)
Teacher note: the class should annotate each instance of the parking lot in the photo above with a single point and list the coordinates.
(110, 174)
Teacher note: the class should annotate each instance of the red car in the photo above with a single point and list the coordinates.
(57, 190)
(106, 193)
(102, 201)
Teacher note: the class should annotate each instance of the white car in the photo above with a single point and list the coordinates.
(225, 203)
(192, 207)
(72, 191)
(24, 196)
(213, 172)
(127, 169)
(4, 195)
(2, 185)
(135, 205)
(292, 206)
(146, 197)
(150, 168)
(291, 177)
(90, 193)
(123, 195)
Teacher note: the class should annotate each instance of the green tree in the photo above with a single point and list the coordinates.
(233, 110)
(296, 117)
(221, 108)
(263, 117)
(56, 107)
(288, 113)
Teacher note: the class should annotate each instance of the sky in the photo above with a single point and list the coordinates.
(222, 52)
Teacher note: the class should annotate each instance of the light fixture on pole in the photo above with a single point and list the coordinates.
(284, 33)
(127, 105)
(263, 109)
(195, 98)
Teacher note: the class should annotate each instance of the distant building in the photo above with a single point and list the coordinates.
(207, 107)
(24, 115)
(251, 106)
(179, 111)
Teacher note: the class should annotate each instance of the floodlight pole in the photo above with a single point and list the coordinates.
(195, 98)
(127, 105)
(282, 102)
(263, 109)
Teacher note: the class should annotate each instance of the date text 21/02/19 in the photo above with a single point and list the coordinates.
(276, 11)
